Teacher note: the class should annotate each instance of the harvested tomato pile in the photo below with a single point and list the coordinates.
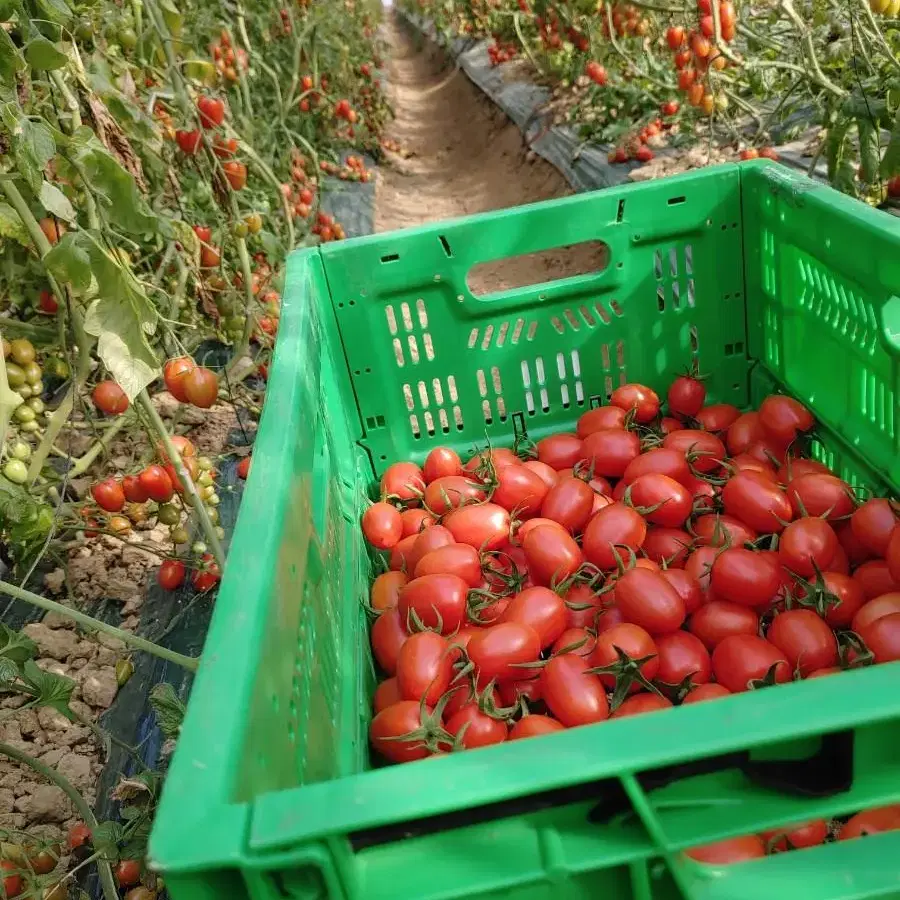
(647, 560)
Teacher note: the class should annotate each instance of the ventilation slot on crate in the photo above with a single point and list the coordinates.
(612, 358)
(877, 403)
(535, 388)
(414, 321)
(673, 270)
(500, 333)
(427, 404)
(490, 383)
(574, 394)
(837, 306)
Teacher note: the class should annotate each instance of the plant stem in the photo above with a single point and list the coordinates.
(190, 489)
(107, 882)
(132, 640)
(249, 318)
(269, 176)
(806, 40)
(75, 110)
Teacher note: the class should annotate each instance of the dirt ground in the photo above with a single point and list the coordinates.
(105, 567)
(459, 155)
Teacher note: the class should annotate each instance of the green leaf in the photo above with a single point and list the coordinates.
(890, 162)
(122, 319)
(43, 54)
(56, 11)
(51, 689)
(33, 147)
(15, 646)
(70, 262)
(117, 192)
(169, 709)
(11, 226)
(11, 61)
(868, 149)
(56, 202)
(9, 672)
(106, 838)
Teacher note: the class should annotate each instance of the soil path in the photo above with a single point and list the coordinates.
(458, 154)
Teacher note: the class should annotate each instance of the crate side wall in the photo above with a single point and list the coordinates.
(823, 277)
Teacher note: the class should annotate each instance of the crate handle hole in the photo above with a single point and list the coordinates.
(391, 257)
(674, 201)
(446, 245)
(543, 267)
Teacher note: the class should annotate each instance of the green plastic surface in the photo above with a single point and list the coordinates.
(772, 282)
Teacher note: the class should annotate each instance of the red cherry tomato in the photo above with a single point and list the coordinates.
(171, 574)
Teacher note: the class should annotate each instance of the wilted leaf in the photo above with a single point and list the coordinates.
(169, 709)
(11, 225)
(11, 61)
(15, 646)
(56, 202)
(70, 262)
(113, 137)
(121, 319)
(117, 192)
(44, 54)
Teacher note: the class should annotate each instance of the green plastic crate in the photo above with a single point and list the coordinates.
(771, 282)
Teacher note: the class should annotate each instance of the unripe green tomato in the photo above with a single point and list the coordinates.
(234, 323)
(128, 38)
(35, 403)
(205, 479)
(84, 31)
(204, 463)
(24, 413)
(213, 515)
(198, 548)
(25, 391)
(207, 491)
(15, 375)
(30, 427)
(168, 514)
(220, 532)
(37, 389)
(182, 303)
(58, 368)
(179, 535)
(33, 373)
(213, 499)
(22, 351)
(16, 471)
(20, 450)
(240, 229)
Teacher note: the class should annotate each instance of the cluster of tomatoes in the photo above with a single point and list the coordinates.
(635, 146)
(627, 21)
(501, 52)
(695, 52)
(158, 483)
(211, 111)
(354, 169)
(228, 60)
(643, 561)
(798, 836)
